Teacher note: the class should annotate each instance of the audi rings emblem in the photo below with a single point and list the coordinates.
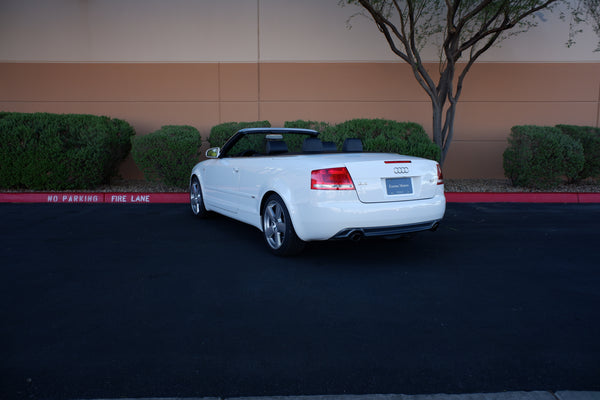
(401, 170)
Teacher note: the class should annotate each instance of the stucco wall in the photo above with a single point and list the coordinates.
(233, 31)
(202, 62)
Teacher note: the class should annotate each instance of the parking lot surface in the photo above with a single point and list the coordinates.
(105, 301)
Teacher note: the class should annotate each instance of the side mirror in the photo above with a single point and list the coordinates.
(213, 152)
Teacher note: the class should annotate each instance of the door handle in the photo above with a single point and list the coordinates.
(236, 170)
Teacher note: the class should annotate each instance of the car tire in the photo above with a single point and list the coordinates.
(278, 231)
(196, 199)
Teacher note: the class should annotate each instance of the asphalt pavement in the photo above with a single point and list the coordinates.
(536, 395)
(122, 301)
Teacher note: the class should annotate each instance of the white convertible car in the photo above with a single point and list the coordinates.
(295, 188)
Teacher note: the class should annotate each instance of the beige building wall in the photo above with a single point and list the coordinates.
(202, 62)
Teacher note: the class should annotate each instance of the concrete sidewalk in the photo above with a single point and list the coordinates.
(536, 395)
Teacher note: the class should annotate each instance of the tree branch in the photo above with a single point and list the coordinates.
(411, 54)
(507, 24)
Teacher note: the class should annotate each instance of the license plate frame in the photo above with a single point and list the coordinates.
(398, 186)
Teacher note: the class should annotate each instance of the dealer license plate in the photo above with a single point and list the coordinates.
(398, 186)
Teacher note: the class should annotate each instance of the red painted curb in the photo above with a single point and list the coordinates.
(589, 197)
(113, 198)
(182, 197)
(516, 197)
(147, 198)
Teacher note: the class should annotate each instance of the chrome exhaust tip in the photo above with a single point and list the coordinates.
(356, 235)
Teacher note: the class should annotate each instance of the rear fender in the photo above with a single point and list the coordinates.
(288, 197)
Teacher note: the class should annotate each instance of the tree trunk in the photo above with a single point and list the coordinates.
(438, 139)
(448, 130)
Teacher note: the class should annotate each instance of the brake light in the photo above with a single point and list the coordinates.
(440, 175)
(331, 179)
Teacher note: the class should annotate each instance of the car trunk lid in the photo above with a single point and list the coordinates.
(398, 178)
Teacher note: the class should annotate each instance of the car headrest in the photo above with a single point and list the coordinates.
(352, 145)
(276, 147)
(329, 147)
(312, 145)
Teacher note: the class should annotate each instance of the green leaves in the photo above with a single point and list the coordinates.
(220, 133)
(582, 12)
(168, 154)
(381, 135)
(377, 135)
(540, 157)
(589, 137)
(60, 152)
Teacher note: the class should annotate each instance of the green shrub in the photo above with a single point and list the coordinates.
(380, 135)
(220, 133)
(294, 142)
(540, 157)
(318, 126)
(589, 137)
(168, 154)
(43, 151)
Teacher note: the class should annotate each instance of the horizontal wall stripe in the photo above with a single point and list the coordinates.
(495, 98)
(288, 82)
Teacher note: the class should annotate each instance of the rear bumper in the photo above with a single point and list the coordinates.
(324, 218)
(356, 233)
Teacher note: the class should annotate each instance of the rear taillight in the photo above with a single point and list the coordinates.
(331, 179)
(440, 175)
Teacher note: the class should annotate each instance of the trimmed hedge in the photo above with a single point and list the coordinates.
(377, 135)
(381, 135)
(540, 157)
(220, 133)
(44, 151)
(318, 126)
(168, 154)
(589, 137)
(294, 142)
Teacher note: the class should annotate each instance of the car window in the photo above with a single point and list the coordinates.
(247, 146)
(254, 144)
